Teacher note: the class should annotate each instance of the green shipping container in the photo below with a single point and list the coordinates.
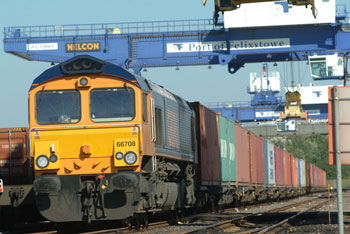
(227, 150)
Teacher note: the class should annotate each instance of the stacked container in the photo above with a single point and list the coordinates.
(269, 163)
(227, 150)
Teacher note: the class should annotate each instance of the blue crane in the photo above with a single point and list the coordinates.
(178, 43)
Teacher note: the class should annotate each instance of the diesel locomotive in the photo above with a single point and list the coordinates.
(108, 144)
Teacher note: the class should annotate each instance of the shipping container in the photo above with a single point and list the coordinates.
(252, 158)
(309, 175)
(15, 164)
(256, 149)
(279, 168)
(287, 168)
(302, 173)
(320, 177)
(208, 145)
(299, 172)
(314, 175)
(294, 171)
(242, 154)
(269, 163)
(227, 150)
(317, 181)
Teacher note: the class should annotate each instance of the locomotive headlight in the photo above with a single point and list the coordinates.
(53, 158)
(42, 161)
(130, 158)
(83, 81)
(119, 155)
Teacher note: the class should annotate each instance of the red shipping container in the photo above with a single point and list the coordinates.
(320, 176)
(252, 158)
(287, 168)
(295, 171)
(314, 174)
(279, 166)
(308, 173)
(208, 149)
(259, 156)
(242, 154)
(311, 175)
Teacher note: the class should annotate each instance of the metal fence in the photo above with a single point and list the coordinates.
(109, 28)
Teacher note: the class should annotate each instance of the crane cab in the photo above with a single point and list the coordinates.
(326, 67)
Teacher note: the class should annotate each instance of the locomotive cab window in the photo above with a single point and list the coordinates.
(144, 107)
(112, 104)
(57, 107)
(159, 126)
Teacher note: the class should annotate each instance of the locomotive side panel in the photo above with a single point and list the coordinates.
(174, 130)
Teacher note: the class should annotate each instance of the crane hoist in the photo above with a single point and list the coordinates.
(292, 106)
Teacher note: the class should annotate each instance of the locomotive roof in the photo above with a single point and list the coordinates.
(99, 66)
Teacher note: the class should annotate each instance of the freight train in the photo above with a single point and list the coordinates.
(107, 144)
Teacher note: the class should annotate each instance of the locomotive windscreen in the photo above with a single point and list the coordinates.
(58, 107)
(112, 104)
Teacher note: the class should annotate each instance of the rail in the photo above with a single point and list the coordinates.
(151, 27)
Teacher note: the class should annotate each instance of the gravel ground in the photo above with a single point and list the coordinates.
(334, 206)
(316, 226)
(320, 228)
(268, 206)
(249, 209)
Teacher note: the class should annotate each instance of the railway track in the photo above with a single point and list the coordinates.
(225, 220)
(272, 216)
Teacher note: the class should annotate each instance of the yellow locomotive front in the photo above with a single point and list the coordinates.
(86, 121)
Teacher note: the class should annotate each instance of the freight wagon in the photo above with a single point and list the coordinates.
(16, 175)
(252, 169)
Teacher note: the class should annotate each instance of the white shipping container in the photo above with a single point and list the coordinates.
(279, 14)
(269, 163)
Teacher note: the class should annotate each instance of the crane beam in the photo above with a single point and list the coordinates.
(176, 43)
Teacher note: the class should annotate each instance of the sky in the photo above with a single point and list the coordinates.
(194, 83)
